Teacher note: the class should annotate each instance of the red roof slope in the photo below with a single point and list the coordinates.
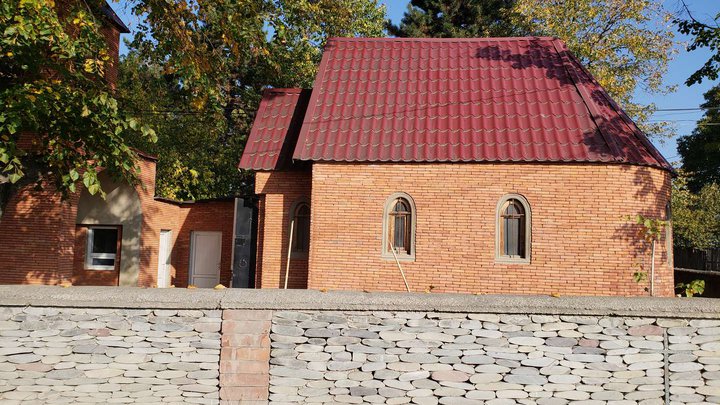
(448, 100)
(275, 130)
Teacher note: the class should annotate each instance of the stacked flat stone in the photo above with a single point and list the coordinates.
(455, 358)
(68, 356)
(694, 360)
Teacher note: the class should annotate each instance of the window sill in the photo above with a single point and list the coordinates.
(400, 258)
(511, 260)
(96, 268)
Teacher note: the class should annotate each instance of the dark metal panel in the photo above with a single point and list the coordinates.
(244, 245)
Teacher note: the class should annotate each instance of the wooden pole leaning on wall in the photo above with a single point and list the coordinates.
(402, 273)
(652, 270)
(289, 253)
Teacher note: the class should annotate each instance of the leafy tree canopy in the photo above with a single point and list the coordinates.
(696, 216)
(706, 35)
(59, 122)
(194, 162)
(456, 19)
(196, 71)
(204, 61)
(700, 151)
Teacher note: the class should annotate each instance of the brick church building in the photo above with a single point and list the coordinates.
(494, 165)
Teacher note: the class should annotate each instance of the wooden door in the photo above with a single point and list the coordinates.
(205, 254)
(163, 280)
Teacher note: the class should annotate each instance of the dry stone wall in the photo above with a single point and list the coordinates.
(143, 356)
(495, 359)
(250, 347)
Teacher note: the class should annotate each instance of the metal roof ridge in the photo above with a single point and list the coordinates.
(301, 140)
(570, 68)
(627, 121)
(421, 39)
(637, 132)
(356, 107)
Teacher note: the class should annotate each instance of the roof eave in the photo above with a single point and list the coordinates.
(113, 18)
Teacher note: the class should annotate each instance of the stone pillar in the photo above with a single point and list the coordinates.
(245, 357)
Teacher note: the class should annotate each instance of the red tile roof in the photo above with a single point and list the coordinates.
(451, 100)
(275, 130)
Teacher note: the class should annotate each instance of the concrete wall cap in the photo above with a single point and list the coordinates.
(177, 298)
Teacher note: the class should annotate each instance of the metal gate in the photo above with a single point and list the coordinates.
(697, 259)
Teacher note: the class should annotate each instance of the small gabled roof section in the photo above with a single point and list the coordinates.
(275, 130)
(453, 100)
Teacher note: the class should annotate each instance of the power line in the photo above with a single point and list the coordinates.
(687, 109)
(697, 123)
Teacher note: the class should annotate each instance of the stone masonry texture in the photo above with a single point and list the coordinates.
(253, 347)
(494, 359)
(141, 356)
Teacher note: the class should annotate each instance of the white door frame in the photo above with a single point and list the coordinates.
(164, 255)
(193, 247)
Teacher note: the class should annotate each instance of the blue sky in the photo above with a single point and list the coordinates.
(684, 64)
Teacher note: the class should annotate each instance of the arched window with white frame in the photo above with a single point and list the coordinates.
(512, 244)
(399, 221)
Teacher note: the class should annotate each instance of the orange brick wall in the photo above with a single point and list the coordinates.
(112, 39)
(245, 357)
(215, 216)
(581, 245)
(181, 219)
(37, 229)
(37, 237)
(40, 244)
(157, 215)
(278, 192)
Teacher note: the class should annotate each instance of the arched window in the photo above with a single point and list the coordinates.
(300, 230)
(513, 230)
(399, 227)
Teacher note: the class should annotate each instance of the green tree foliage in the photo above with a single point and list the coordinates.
(696, 191)
(695, 287)
(194, 162)
(700, 151)
(456, 19)
(209, 60)
(695, 216)
(706, 35)
(53, 93)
